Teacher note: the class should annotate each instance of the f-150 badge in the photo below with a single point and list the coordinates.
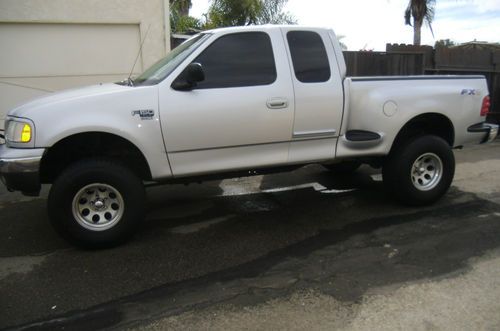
(145, 114)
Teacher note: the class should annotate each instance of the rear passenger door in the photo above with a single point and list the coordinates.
(319, 97)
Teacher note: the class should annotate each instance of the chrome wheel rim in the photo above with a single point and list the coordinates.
(98, 207)
(427, 171)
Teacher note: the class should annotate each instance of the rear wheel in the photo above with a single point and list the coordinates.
(420, 171)
(96, 203)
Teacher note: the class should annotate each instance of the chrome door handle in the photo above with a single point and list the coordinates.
(277, 103)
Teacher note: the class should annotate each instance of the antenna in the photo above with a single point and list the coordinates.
(129, 80)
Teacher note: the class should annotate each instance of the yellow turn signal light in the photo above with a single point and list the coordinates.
(26, 133)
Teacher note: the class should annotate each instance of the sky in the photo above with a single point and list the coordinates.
(370, 24)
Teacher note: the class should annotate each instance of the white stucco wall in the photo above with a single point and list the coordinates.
(50, 45)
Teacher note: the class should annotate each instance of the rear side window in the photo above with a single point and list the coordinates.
(236, 60)
(309, 57)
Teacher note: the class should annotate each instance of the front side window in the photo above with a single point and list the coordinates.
(309, 57)
(236, 60)
(161, 69)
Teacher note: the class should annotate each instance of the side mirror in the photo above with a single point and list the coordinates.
(189, 78)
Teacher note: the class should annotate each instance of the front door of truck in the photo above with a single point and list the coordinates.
(240, 116)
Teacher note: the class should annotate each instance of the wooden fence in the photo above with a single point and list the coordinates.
(384, 64)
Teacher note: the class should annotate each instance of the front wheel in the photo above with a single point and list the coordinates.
(96, 203)
(420, 171)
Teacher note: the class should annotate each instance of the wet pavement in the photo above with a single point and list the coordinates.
(244, 242)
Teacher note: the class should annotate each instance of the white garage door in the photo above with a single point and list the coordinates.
(36, 59)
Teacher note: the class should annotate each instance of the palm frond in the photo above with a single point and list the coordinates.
(408, 16)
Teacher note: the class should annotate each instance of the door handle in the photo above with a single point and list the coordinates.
(277, 103)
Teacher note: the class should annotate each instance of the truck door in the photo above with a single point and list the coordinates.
(240, 116)
(319, 98)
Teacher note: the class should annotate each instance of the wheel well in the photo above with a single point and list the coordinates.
(431, 123)
(88, 145)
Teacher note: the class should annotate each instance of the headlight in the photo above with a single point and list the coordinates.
(19, 132)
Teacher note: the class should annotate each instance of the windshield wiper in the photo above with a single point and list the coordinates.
(130, 81)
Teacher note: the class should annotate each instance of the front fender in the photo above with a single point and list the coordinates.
(115, 113)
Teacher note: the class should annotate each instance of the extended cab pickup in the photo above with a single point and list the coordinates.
(233, 102)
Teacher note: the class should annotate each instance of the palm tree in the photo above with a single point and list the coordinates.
(421, 11)
(247, 12)
(181, 6)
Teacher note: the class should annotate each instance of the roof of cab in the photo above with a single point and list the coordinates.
(260, 28)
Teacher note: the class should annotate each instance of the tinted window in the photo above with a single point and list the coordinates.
(161, 69)
(309, 58)
(235, 60)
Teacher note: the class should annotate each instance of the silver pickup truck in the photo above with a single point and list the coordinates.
(233, 102)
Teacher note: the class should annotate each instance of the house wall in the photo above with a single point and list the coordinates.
(50, 45)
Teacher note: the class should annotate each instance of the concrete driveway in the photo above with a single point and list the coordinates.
(305, 249)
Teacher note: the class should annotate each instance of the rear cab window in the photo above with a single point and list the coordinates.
(309, 56)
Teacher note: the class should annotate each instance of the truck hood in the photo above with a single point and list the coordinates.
(35, 105)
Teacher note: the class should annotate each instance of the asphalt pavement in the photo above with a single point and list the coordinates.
(240, 252)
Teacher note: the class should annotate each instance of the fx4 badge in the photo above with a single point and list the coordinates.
(468, 92)
(146, 114)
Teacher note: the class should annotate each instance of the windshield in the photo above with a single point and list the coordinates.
(161, 69)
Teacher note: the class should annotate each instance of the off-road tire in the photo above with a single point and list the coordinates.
(416, 186)
(63, 196)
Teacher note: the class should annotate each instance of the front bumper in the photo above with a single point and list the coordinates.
(490, 131)
(20, 169)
